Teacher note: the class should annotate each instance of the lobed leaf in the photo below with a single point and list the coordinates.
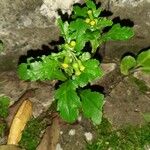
(104, 22)
(118, 33)
(143, 60)
(92, 103)
(90, 4)
(127, 63)
(46, 69)
(91, 35)
(97, 12)
(64, 28)
(80, 26)
(80, 42)
(91, 72)
(94, 38)
(80, 12)
(85, 56)
(95, 44)
(68, 101)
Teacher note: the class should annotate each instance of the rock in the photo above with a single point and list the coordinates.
(24, 27)
(108, 67)
(129, 13)
(49, 7)
(29, 24)
(51, 136)
(58, 147)
(72, 132)
(88, 136)
(14, 88)
(125, 105)
(77, 141)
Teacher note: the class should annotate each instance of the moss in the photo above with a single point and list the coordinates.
(2, 129)
(4, 105)
(31, 135)
(129, 138)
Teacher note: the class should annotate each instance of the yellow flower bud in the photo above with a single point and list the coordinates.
(89, 12)
(92, 23)
(73, 43)
(87, 20)
(65, 66)
(82, 68)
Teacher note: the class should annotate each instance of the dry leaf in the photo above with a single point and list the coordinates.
(19, 122)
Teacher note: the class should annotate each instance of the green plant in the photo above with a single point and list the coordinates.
(141, 62)
(4, 105)
(73, 64)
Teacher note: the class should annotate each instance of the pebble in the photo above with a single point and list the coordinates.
(72, 132)
(88, 136)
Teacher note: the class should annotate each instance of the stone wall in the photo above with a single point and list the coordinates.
(138, 12)
(29, 24)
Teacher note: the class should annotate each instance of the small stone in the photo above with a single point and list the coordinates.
(88, 136)
(61, 132)
(79, 118)
(108, 67)
(72, 132)
(58, 147)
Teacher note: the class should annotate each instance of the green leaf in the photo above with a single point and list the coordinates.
(95, 44)
(143, 60)
(90, 4)
(85, 56)
(4, 105)
(23, 71)
(146, 69)
(68, 101)
(91, 72)
(46, 69)
(80, 26)
(93, 37)
(92, 103)
(80, 12)
(127, 63)
(80, 42)
(97, 12)
(118, 33)
(64, 27)
(104, 22)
